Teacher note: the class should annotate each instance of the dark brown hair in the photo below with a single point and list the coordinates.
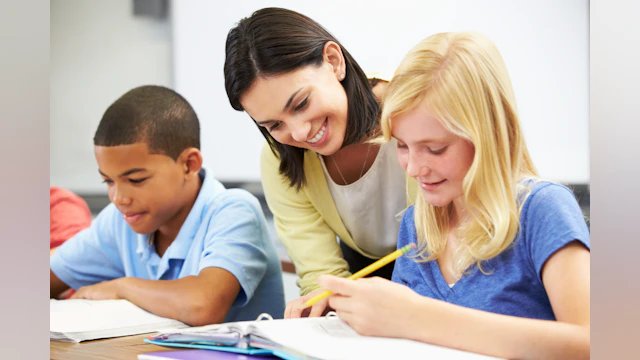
(155, 115)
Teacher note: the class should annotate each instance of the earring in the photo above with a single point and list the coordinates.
(341, 76)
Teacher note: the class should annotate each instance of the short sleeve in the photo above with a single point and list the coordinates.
(406, 235)
(552, 219)
(92, 255)
(235, 242)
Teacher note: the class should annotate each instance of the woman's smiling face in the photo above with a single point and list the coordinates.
(305, 108)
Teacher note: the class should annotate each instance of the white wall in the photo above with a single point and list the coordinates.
(99, 51)
(544, 44)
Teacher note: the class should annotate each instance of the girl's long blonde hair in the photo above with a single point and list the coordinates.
(463, 80)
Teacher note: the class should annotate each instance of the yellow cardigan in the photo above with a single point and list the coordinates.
(307, 221)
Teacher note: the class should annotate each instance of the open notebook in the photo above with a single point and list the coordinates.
(307, 338)
(78, 320)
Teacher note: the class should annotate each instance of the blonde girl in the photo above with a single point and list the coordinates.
(502, 266)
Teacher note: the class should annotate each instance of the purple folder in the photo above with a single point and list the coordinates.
(199, 354)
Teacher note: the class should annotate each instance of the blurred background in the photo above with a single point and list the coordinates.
(102, 49)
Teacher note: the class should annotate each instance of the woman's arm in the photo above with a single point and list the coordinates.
(380, 308)
(311, 243)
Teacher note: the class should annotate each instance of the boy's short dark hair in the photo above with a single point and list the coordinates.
(152, 114)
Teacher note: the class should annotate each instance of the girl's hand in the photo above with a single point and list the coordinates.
(374, 306)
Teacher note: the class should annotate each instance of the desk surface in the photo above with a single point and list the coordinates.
(127, 347)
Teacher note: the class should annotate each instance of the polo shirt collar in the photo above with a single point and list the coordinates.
(210, 188)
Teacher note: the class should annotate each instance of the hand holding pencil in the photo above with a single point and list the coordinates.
(367, 270)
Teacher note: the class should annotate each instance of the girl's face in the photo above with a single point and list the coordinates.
(435, 157)
(305, 108)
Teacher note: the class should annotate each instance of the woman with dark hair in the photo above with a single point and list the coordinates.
(322, 176)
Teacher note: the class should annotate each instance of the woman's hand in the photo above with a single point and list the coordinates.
(296, 308)
(375, 306)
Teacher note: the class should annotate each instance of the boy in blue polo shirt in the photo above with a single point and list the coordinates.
(173, 241)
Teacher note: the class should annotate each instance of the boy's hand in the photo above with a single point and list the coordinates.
(106, 290)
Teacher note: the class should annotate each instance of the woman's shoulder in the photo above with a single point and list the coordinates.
(382, 74)
(270, 165)
(268, 155)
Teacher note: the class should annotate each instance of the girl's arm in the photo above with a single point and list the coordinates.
(378, 307)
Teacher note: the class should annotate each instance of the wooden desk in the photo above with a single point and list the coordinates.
(127, 347)
(287, 266)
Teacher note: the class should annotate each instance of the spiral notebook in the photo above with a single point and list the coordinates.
(308, 338)
(198, 354)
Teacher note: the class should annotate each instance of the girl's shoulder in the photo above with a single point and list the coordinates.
(543, 193)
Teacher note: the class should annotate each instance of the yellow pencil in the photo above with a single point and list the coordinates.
(366, 271)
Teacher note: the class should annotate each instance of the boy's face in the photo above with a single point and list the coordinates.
(148, 189)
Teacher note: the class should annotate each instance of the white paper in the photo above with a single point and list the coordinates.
(330, 338)
(79, 320)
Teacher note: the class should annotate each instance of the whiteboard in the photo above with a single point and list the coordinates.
(544, 44)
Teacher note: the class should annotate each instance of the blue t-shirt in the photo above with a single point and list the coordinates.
(225, 229)
(550, 219)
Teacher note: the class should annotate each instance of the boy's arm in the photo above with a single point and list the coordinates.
(56, 286)
(195, 300)
(232, 264)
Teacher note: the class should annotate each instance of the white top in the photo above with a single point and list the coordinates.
(372, 207)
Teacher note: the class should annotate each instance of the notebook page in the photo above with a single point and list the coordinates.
(330, 338)
(82, 316)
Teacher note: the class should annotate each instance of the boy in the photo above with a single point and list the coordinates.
(173, 241)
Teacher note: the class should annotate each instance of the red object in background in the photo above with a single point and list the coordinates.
(69, 214)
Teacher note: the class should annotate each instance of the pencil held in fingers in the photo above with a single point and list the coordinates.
(366, 271)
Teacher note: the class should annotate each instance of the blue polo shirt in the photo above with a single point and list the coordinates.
(550, 219)
(226, 228)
